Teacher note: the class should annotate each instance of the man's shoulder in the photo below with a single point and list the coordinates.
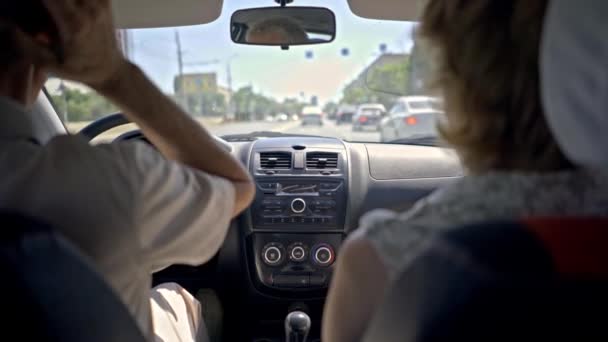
(76, 150)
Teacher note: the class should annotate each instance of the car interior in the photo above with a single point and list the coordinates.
(311, 191)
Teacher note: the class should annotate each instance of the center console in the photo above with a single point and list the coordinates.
(297, 218)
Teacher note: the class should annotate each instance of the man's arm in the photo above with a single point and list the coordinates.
(174, 133)
(90, 55)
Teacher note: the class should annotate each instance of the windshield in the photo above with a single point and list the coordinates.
(371, 111)
(240, 89)
(419, 105)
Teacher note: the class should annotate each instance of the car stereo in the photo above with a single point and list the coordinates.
(299, 203)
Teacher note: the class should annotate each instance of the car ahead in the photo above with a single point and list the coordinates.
(368, 116)
(282, 117)
(411, 116)
(345, 114)
(312, 116)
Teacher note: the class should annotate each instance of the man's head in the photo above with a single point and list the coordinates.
(277, 31)
(19, 78)
(487, 69)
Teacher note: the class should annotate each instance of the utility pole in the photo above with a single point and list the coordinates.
(230, 104)
(180, 66)
(64, 96)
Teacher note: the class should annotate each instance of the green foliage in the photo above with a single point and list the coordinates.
(381, 84)
(390, 78)
(330, 108)
(249, 105)
(82, 106)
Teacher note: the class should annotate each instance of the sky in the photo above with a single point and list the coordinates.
(270, 70)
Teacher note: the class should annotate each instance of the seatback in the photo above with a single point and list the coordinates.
(50, 292)
(541, 279)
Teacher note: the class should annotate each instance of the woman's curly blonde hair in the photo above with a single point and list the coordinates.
(487, 69)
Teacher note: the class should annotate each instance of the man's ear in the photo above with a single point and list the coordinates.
(37, 83)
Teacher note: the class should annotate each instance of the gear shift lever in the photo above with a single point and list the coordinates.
(297, 326)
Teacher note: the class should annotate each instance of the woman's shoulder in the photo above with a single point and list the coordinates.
(396, 236)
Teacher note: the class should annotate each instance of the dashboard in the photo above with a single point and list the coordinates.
(311, 193)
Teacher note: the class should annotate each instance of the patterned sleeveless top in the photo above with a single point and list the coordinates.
(397, 237)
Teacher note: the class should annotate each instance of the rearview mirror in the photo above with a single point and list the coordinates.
(283, 26)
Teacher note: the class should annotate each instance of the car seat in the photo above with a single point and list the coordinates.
(50, 292)
(540, 279)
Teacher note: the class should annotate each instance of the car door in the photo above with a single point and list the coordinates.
(389, 125)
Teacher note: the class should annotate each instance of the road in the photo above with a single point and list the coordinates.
(329, 129)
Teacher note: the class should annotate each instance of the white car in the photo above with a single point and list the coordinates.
(368, 116)
(411, 116)
(312, 115)
(282, 117)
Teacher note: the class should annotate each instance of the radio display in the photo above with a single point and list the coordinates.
(297, 189)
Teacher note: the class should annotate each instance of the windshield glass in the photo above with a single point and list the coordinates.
(240, 89)
(419, 105)
(371, 111)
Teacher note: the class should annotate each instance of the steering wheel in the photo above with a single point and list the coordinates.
(106, 123)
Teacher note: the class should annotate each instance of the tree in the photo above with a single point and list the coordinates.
(330, 107)
(419, 70)
(379, 84)
(291, 106)
(252, 106)
(82, 106)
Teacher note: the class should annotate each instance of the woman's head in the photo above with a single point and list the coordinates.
(487, 55)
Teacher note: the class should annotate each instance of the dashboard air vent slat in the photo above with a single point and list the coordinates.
(321, 160)
(275, 160)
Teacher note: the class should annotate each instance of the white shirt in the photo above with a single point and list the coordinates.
(129, 209)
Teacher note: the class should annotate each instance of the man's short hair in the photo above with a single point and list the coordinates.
(30, 16)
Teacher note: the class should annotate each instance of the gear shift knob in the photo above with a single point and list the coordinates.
(297, 326)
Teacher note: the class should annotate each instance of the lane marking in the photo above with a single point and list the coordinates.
(286, 126)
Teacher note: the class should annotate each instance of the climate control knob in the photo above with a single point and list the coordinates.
(323, 255)
(273, 254)
(297, 252)
(298, 205)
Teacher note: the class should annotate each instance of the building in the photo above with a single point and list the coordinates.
(195, 84)
(200, 94)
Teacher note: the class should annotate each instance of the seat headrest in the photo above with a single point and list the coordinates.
(574, 67)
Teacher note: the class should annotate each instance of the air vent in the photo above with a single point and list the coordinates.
(275, 160)
(321, 160)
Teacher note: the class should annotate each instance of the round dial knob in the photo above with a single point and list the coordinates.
(297, 253)
(298, 205)
(323, 255)
(272, 255)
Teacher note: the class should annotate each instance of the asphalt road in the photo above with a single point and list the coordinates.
(329, 129)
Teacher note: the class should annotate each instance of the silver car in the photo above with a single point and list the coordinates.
(368, 116)
(411, 116)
